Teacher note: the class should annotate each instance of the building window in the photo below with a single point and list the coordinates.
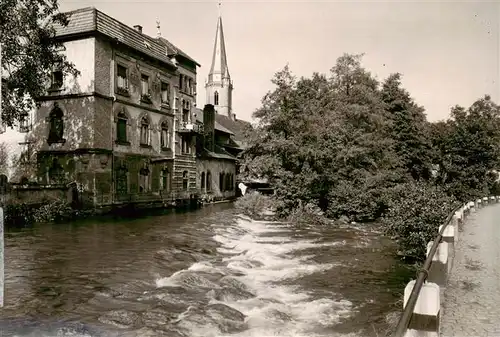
(121, 128)
(165, 93)
(165, 136)
(165, 180)
(57, 77)
(202, 180)
(121, 181)
(56, 126)
(209, 181)
(185, 111)
(221, 181)
(227, 182)
(181, 82)
(144, 131)
(185, 146)
(185, 180)
(121, 79)
(144, 180)
(145, 92)
(216, 98)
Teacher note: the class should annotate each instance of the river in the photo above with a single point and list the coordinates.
(204, 273)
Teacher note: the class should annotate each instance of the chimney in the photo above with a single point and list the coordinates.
(138, 28)
(233, 117)
(209, 126)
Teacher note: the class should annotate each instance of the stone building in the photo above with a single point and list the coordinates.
(127, 130)
(124, 130)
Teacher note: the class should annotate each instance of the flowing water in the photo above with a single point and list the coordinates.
(205, 273)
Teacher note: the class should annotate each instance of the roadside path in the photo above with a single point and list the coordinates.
(472, 297)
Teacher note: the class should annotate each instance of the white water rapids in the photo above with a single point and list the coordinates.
(256, 260)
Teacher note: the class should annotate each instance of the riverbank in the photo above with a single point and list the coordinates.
(22, 214)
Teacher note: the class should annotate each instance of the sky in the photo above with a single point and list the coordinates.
(448, 52)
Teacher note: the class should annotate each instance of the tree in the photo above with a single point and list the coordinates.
(29, 53)
(324, 141)
(410, 129)
(469, 148)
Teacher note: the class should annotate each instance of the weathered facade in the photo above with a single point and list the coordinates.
(121, 130)
(126, 129)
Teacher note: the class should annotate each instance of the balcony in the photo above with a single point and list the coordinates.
(187, 127)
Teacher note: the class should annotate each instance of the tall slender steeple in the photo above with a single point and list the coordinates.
(219, 86)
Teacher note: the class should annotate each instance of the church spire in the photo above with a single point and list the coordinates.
(219, 58)
(219, 87)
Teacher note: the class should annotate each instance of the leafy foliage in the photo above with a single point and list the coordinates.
(22, 214)
(353, 147)
(255, 204)
(415, 213)
(29, 53)
(468, 147)
(307, 215)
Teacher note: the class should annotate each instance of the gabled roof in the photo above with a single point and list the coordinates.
(174, 50)
(91, 20)
(218, 127)
(237, 126)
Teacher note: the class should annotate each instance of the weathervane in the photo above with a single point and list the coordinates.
(158, 31)
(220, 3)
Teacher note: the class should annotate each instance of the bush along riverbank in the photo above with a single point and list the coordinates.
(21, 214)
(348, 147)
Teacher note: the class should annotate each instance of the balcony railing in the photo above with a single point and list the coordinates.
(190, 127)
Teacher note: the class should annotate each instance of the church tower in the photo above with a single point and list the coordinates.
(219, 87)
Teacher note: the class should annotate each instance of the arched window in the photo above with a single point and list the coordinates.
(144, 131)
(202, 180)
(121, 127)
(209, 181)
(165, 135)
(185, 180)
(221, 181)
(216, 98)
(165, 180)
(56, 126)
